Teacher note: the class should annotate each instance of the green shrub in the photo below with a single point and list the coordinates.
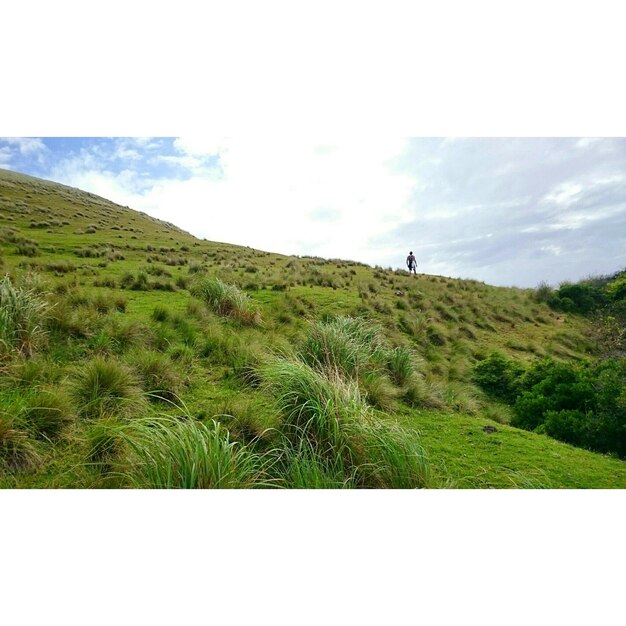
(584, 405)
(581, 297)
(571, 426)
(499, 376)
(616, 290)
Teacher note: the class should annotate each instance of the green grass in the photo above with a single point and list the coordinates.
(106, 387)
(461, 449)
(183, 454)
(328, 418)
(48, 413)
(22, 317)
(226, 300)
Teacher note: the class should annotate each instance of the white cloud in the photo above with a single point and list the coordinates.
(26, 145)
(564, 193)
(585, 142)
(270, 194)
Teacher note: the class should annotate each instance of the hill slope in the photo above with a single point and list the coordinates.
(122, 287)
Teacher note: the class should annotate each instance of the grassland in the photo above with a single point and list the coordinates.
(153, 344)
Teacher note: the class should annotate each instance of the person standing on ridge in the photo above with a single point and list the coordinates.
(411, 263)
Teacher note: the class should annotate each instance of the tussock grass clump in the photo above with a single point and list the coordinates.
(391, 457)
(182, 354)
(160, 313)
(401, 364)
(129, 333)
(462, 397)
(346, 344)
(303, 468)
(421, 394)
(22, 319)
(379, 391)
(158, 375)
(28, 372)
(69, 320)
(106, 387)
(328, 418)
(313, 404)
(226, 300)
(103, 443)
(48, 412)
(27, 249)
(245, 419)
(436, 335)
(166, 453)
(17, 452)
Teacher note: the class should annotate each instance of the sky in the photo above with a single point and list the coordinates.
(507, 211)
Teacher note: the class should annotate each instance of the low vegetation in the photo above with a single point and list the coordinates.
(135, 355)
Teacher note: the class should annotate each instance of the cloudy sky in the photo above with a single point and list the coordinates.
(509, 211)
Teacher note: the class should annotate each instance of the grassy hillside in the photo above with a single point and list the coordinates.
(142, 356)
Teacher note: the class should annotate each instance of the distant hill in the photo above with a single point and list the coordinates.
(123, 288)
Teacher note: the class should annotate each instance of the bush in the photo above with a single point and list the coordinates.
(584, 405)
(577, 298)
(543, 292)
(571, 426)
(499, 376)
(616, 290)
